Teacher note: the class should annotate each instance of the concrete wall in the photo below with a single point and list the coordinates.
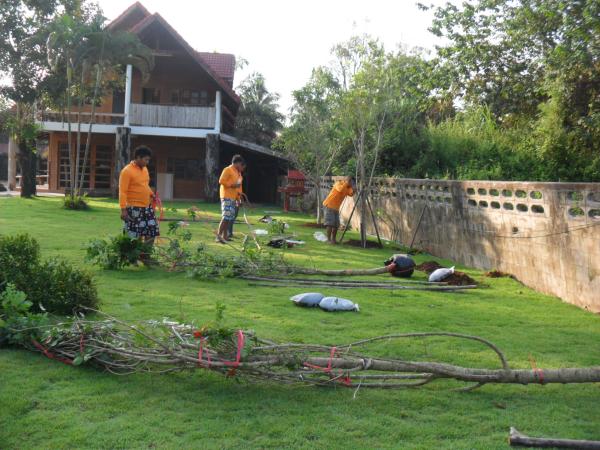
(545, 234)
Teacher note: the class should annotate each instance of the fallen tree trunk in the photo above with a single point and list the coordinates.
(166, 346)
(521, 440)
(341, 285)
(348, 282)
(339, 273)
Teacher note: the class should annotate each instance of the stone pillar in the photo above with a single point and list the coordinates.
(122, 155)
(211, 175)
(12, 164)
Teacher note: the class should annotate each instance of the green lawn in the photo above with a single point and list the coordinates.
(45, 404)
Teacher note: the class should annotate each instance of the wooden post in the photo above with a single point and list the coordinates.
(126, 110)
(12, 164)
(122, 155)
(211, 163)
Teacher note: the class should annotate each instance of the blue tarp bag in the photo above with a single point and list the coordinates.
(338, 304)
(307, 299)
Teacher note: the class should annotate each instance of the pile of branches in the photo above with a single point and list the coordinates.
(166, 346)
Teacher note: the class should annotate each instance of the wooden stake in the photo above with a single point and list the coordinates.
(520, 440)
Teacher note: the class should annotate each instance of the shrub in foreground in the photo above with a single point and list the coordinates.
(54, 285)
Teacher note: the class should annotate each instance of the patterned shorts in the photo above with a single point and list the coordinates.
(228, 209)
(141, 223)
(332, 218)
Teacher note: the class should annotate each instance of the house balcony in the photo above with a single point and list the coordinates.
(172, 116)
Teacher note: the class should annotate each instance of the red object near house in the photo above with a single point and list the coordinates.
(295, 188)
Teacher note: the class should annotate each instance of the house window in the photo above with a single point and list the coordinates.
(186, 97)
(203, 98)
(64, 166)
(185, 169)
(195, 98)
(103, 169)
(175, 96)
(150, 96)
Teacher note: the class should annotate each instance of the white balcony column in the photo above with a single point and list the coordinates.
(218, 112)
(12, 164)
(128, 77)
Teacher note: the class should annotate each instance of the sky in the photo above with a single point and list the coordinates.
(285, 39)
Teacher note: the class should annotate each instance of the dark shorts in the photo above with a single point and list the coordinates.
(332, 217)
(142, 222)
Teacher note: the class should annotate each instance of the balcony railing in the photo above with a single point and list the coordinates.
(172, 116)
(83, 117)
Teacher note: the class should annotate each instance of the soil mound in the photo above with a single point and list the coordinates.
(357, 243)
(428, 266)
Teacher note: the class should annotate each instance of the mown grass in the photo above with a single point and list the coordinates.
(44, 404)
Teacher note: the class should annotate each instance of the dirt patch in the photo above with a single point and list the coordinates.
(313, 225)
(497, 274)
(357, 243)
(459, 279)
(456, 279)
(428, 266)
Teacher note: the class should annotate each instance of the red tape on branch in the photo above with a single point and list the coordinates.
(201, 354)
(346, 379)
(241, 342)
(539, 373)
(49, 354)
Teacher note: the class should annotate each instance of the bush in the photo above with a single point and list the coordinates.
(61, 288)
(56, 285)
(19, 256)
(116, 252)
(76, 202)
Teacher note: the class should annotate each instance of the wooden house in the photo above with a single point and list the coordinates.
(185, 112)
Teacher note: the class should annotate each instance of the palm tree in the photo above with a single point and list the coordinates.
(90, 60)
(258, 119)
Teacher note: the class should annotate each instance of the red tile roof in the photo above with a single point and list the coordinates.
(223, 64)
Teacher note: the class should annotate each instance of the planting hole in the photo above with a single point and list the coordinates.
(521, 194)
(481, 191)
(471, 191)
(483, 203)
(495, 205)
(535, 195)
(594, 214)
(538, 209)
(576, 212)
(472, 202)
(506, 192)
(508, 206)
(575, 196)
(522, 207)
(494, 192)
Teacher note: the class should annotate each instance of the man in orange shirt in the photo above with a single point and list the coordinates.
(240, 199)
(135, 198)
(230, 182)
(332, 204)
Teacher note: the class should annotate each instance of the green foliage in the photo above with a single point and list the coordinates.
(76, 202)
(258, 119)
(17, 323)
(61, 288)
(19, 258)
(116, 252)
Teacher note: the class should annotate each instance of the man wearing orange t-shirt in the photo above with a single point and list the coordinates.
(135, 198)
(332, 204)
(230, 182)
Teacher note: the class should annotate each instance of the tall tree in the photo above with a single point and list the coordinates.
(23, 35)
(258, 119)
(310, 142)
(363, 110)
(89, 60)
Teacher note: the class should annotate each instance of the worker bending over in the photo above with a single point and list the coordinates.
(332, 204)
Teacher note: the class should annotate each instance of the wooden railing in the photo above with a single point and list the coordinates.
(82, 117)
(172, 116)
